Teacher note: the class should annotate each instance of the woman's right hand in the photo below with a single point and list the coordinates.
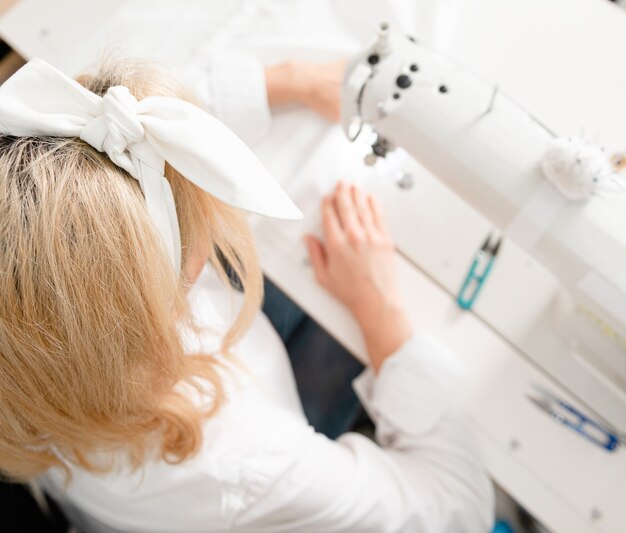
(356, 264)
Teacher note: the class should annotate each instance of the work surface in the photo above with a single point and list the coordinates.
(534, 51)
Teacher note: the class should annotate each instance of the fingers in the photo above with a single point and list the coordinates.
(363, 210)
(317, 254)
(333, 232)
(346, 211)
(378, 216)
(350, 213)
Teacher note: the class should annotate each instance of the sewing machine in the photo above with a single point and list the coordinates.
(487, 148)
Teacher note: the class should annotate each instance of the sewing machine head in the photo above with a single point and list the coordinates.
(558, 200)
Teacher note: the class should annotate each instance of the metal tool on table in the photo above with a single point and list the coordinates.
(478, 272)
(569, 416)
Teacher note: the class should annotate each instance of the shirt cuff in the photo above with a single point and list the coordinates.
(231, 85)
(413, 388)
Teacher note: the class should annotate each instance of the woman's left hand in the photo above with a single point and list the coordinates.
(315, 85)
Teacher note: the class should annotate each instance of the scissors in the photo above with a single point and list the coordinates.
(477, 275)
(571, 417)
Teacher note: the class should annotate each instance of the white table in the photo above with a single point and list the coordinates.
(569, 484)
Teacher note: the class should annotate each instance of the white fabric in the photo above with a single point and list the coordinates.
(263, 469)
(140, 136)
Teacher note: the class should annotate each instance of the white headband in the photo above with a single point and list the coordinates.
(139, 136)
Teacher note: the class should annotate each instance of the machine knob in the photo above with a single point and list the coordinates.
(370, 159)
(403, 81)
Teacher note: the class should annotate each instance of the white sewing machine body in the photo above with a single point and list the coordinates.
(487, 149)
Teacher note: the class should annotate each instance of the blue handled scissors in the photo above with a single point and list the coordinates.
(571, 417)
(479, 270)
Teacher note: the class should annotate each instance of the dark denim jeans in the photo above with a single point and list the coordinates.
(323, 369)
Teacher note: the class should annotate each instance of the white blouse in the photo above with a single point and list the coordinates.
(262, 468)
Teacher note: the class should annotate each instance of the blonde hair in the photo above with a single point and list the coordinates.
(90, 351)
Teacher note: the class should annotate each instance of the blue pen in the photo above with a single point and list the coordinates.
(481, 266)
(569, 416)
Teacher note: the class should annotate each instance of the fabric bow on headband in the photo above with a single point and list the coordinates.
(139, 136)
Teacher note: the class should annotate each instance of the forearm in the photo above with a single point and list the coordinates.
(314, 85)
(282, 84)
(385, 329)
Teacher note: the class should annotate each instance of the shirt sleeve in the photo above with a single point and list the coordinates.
(231, 85)
(422, 476)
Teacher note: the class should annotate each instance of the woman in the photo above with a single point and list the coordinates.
(130, 392)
